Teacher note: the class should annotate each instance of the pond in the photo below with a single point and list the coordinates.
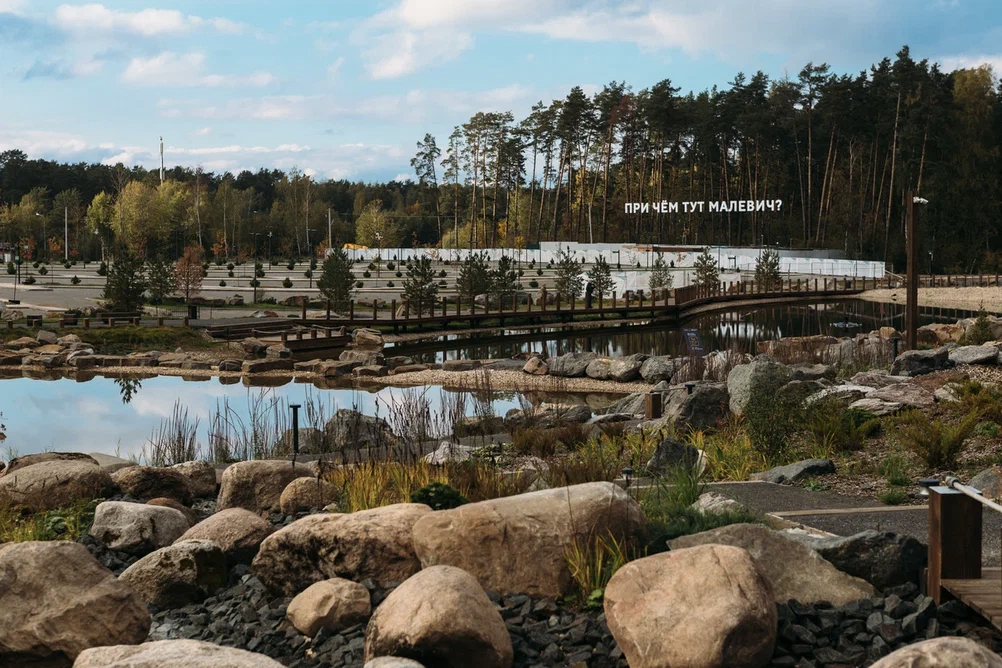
(739, 329)
(118, 416)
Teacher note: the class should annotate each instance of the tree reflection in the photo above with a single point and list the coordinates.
(128, 388)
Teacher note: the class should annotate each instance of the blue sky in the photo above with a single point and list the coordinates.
(344, 88)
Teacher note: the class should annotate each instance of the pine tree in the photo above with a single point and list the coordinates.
(661, 278)
(160, 279)
(420, 288)
(981, 331)
(474, 276)
(337, 281)
(601, 278)
(570, 282)
(767, 274)
(503, 281)
(126, 283)
(707, 273)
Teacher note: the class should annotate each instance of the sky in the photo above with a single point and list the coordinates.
(344, 88)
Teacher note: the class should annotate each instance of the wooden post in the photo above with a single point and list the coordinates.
(351, 310)
(160, 322)
(305, 301)
(954, 539)
(185, 321)
(911, 241)
(614, 300)
(652, 405)
(393, 309)
(86, 323)
(329, 309)
(375, 308)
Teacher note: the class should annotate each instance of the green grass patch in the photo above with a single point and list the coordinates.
(894, 497)
(117, 340)
(69, 523)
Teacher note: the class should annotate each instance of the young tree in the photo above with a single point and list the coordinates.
(570, 282)
(707, 273)
(600, 277)
(661, 278)
(337, 282)
(126, 282)
(503, 281)
(373, 227)
(420, 288)
(767, 270)
(474, 276)
(188, 272)
(160, 279)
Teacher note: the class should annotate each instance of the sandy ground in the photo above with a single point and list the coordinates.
(968, 299)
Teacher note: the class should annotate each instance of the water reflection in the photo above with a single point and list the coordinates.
(128, 387)
(740, 329)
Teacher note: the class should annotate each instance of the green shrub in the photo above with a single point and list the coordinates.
(987, 429)
(67, 265)
(291, 265)
(439, 496)
(10, 268)
(539, 272)
(103, 269)
(35, 264)
(229, 266)
(75, 280)
(371, 266)
(894, 497)
(533, 283)
(366, 274)
(254, 283)
(43, 270)
(229, 274)
(894, 469)
(937, 442)
(358, 284)
(771, 421)
(837, 429)
(976, 397)
(389, 284)
(400, 274)
(442, 274)
(287, 282)
(308, 273)
(981, 331)
(222, 284)
(391, 266)
(29, 280)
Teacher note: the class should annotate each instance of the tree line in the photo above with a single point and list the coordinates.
(837, 151)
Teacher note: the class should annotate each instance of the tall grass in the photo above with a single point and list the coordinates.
(937, 442)
(592, 563)
(174, 441)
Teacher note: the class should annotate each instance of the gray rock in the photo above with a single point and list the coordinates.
(884, 559)
(627, 369)
(795, 471)
(350, 428)
(137, 528)
(392, 662)
(989, 482)
(762, 374)
(918, 362)
(599, 369)
(571, 365)
(658, 369)
(984, 355)
(807, 371)
(633, 404)
(449, 452)
(907, 394)
(876, 378)
(846, 394)
(796, 391)
(877, 407)
(711, 502)
(793, 569)
(671, 453)
(704, 409)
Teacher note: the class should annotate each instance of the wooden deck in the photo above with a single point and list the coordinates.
(984, 596)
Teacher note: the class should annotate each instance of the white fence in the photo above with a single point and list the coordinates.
(627, 259)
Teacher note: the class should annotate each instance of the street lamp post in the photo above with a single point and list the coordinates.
(269, 249)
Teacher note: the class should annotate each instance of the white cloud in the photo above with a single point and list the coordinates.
(335, 67)
(12, 6)
(202, 132)
(415, 106)
(416, 34)
(950, 63)
(96, 18)
(188, 69)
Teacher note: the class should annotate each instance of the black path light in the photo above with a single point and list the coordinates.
(295, 431)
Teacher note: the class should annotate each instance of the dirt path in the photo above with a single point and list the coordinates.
(968, 299)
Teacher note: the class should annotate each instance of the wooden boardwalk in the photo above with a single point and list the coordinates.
(983, 595)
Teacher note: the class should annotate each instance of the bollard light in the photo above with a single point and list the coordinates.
(925, 484)
(295, 429)
(689, 387)
(628, 474)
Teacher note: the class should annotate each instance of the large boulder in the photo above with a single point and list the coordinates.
(841, 394)
(795, 471)
(876, 407)
(658, 369)
(708, 606)
(547, 416)
(190, 515)
(703, 409)
(571, 365)
(333, 604)
(627, 369)
(56, 601)
(945, 332)
(672, 453)
(876, 378)
(54, 484)
(258, 485)
(490, 539)
(942, 653)
(189, 571)
(173, 654)
(632, 404)
(599, 369)
(306, 494)
(237, 531)
(137, 528)
(793, 569)
(989, 481)
(110, 463)
(27, 460)
(392, 662)
(882, 558)
(201, 477)
(367, 338)
(975, 355)
(442, 617)
(351, 429)
(376, 543)
(762, 374)
(918, 362)
(151, 482)
(536, 366)
(910, 395)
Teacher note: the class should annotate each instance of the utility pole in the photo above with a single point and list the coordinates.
(330, 239)
(161, 160)
(66, 234)
(911, 281)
